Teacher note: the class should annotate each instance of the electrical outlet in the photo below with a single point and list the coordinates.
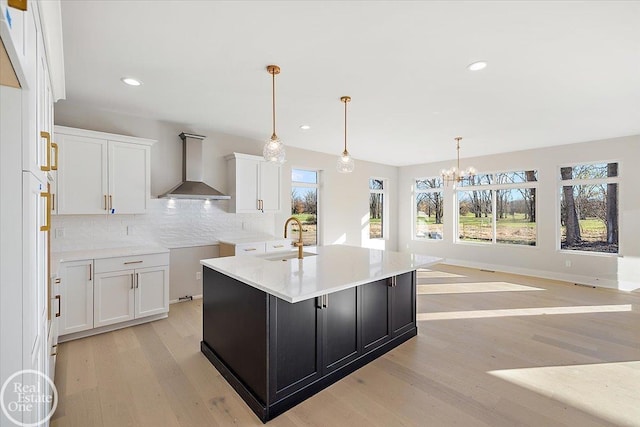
(129, 230)
(567, 263)
(198, 275)
(59, 232)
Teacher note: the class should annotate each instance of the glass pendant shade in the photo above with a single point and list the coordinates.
(274, 151)
(345, 163)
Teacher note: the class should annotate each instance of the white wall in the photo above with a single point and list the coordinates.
(344, 199)
(544, 260)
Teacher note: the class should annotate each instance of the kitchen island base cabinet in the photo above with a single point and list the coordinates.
(277, 354)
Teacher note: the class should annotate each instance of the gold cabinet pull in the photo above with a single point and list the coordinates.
(250, 249)
(105, 202)
(132, 280)
(53, 201)
(59, 298)
(55, 349)
(47, 166)
(47, 225)
(54, 147)
(137, 280)
(132, 262)
(110, 202)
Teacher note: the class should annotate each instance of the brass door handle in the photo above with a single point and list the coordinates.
(54, 146)
(47, 166)
(47, 225)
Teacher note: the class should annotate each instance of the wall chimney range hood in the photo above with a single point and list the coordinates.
(192, 186)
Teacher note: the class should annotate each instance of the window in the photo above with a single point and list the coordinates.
(589, 207)
(498, 208)
(304, 204)
(376, 208)
(429, 199)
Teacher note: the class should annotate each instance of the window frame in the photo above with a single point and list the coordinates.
(581, 181)
(317, 186)
(385, 207)
(493, 187)
(414, 215)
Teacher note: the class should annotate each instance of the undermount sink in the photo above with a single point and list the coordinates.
(284, 256)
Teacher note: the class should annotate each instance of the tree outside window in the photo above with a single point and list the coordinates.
(376, 208)
(498, 208)
(589, 208)
(304, 204)
(429, 209)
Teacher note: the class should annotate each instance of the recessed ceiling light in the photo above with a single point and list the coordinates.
(305, 127)
(131, 81)
(477, 66)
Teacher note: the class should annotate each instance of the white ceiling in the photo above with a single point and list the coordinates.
(559, 72)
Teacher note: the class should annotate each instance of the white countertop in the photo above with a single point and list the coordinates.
(334, 268)
(58, 257)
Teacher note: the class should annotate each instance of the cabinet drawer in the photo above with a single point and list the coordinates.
(105, 265)
(250, 249)
(278, 245)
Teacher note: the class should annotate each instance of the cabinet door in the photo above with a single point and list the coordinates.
(76, 297)
(269, 192)
(128, 177)
(247, 177)
(152, 291)
(295, 350)
(34, 256)
(82, 175)
(113, 298)
(403, 303)
(376, 328)
(341, 336)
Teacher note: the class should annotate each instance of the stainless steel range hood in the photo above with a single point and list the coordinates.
(192, 186)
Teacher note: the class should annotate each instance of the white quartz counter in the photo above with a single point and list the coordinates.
(58, 257)
(334, 268)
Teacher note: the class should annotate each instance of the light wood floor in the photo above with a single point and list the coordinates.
(492, 350)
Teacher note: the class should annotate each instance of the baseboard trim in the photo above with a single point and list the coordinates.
(109, 328)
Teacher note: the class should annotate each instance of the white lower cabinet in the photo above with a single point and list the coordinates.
(76, 296)
(122, 289)
(131, 294)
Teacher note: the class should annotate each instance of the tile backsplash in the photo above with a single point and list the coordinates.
(172, 223)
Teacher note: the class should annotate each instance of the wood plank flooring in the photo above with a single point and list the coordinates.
(492, 350)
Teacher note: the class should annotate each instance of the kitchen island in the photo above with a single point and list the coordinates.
(280, 329)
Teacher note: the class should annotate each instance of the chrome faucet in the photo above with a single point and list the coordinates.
(299, 243)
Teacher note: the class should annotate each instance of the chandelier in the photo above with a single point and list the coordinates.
(455, 174)
(273, 150)
(345, 161)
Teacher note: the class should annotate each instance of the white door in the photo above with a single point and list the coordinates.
(128, 177)
(76, 296)
(113, 297)
(247, 176)
(270, 186)
(82, 175)
(152, 291)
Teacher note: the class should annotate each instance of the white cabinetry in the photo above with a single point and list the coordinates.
(76, 296)
(254, 184)
(130, 293)
(122, 289)
(102, 173)
(254, 248)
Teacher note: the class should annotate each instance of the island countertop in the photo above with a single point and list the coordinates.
(334, 268)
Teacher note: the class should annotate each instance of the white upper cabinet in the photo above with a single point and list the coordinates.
(254, 184)
(102, 173)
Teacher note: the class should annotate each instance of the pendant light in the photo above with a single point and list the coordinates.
(273, 150)
(455, 174)
(345, 161)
